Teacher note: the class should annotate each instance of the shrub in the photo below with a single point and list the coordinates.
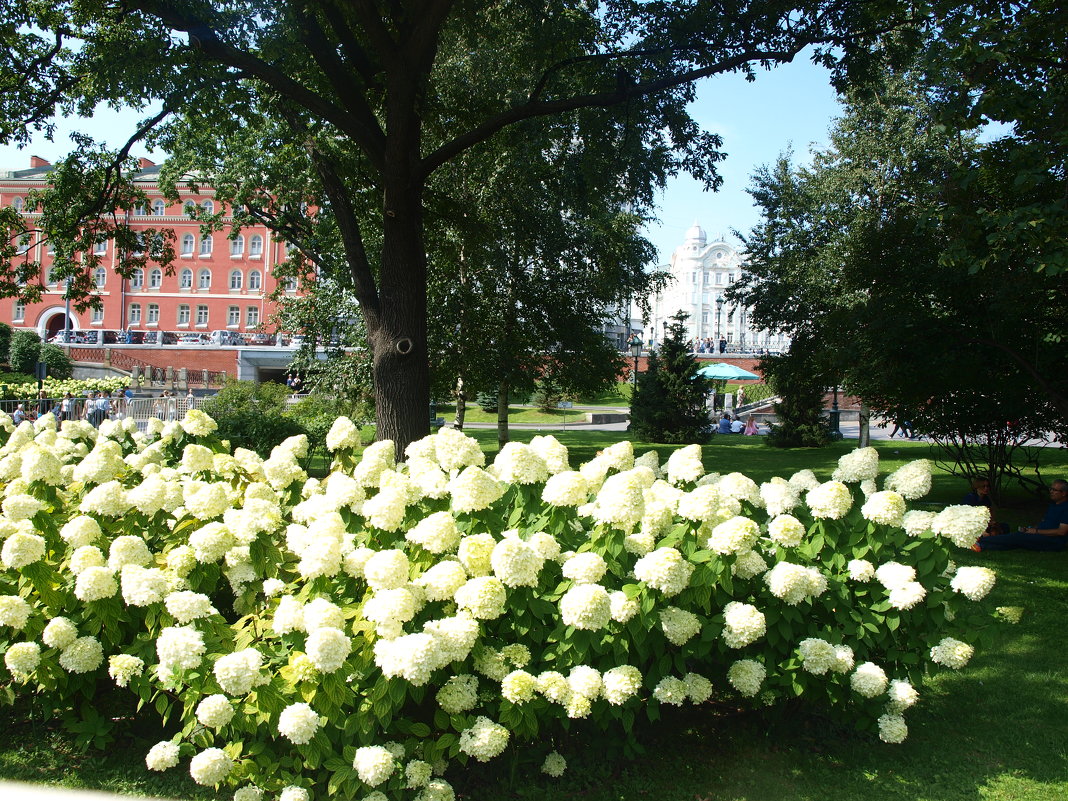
(5, 338)
(548, 393)
(252, 415)
(360, 632)
(23, 352)
(59, 363)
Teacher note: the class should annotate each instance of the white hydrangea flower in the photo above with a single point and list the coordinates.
(623, 608)
(749, 564)
(817, 656)
(779, 497)
(198, 424)
(143, 586)
(620, 501)
(328, 648)
(387, 570)
(249, 793)
(441, 581)
(554, 454)
(343, 435)
(786, 530)
(861, 570)
(85, 557)
(84, 655)
(742, 624)
(917, 523)
(22, 658)
(288, 616)
(454, 450)
(80, 530)
(413, 657)
(886, 507)
(518, 463)
(962, 525)
(215, 711)
(298, 723)
(907, 595)
(902, 695)
(544, 544)
(474, 489)
(869, 680)
(740, 487)
(294, 793)
(180, 648)
(585, 568)
(746, 676)
(895, 574)
(59, 633)
(684, 465)
(568, 488)
(319, 613)
(666, 570)
(519, 687)
(483, 597)
(454, 636)
(843, 659)
(210, 767)
(128, 550)
(515, 563)
(973, 582)
(237, 673)
(698, 688)
(892, 728)
(679, 626)
(804, 480)
(952, 653)
(586, 606)
(554, 765)
(670, 690)
(475, 553)
(162, 756)
(95, 583)
(484, 740)
(124, 667)
(793, 583)
(621, 683)
(211, 542)
(436, 533)
(734, 536)
(831, 500)
(458, 694)
(913, 480)
(22, 549)
(859, 465)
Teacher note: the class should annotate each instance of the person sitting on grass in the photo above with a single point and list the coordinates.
(980, 496)
(751, 428)
(724, 424)
(1051, 533)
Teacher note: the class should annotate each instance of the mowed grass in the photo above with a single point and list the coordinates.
(995, 731)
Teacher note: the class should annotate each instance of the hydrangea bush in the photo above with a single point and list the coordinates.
(57, 388)
(355, 635)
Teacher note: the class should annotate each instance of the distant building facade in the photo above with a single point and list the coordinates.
(220, 286)
(701, 271)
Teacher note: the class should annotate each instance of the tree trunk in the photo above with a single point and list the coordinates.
(502, 414)
(461, 404)
(865, 420)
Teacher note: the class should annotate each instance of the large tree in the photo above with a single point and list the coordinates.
(368, 100)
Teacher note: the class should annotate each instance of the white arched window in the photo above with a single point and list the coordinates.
(291, 284)
(190, 208)
(139, 211)
(237, 246)
(17, 204)
(100, 248)
(100, 275)
(255, 246)
(204, 279)
(159, 208)
(155, 278)
(205, 246)
(255, 280)
(236, 279)
(185, 279)
(137, 280)
(208, 206)
(188, 242)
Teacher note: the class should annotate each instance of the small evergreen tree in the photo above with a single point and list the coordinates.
(801, 384)
(23, 351)
(669, 403)
(548, 392)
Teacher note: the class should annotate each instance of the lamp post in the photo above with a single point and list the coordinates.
(635, 351)
(719, 321)
(836, 431)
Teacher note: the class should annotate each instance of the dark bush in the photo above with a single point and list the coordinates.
(253, 415)
(23, 352)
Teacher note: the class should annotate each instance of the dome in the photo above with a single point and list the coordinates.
(696, 234)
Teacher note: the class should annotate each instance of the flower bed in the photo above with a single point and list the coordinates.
(355, 635)
(57, 388)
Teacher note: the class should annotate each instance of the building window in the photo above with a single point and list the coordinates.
(237, 246)
(24, 243)
(204, 279)
(185, 279)
(205, 246)
(202, 315)
(730, 278)
(137, 280)
(233, 316)
(155, 278)
(100, 275)
(183, 314)
(159, 208)
(153, 314)
(17, 204)
(135, 313)
(190, 208)
(100, 248)
(255, 246)
(50, 278)
(252, 317)
(139, 211)
(97, 315)
(255, 280)
(188, 241)
(208, 206)
(20, 310)
(291, 283)
(236, 279)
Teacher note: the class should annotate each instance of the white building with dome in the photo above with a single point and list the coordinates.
(701, 270)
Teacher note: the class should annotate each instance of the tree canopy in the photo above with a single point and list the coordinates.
(354, 108)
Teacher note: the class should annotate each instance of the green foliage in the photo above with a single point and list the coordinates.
(669, 404)
(316, 413)
(5, 339)
(59, 363)
(487, 401)
(252, 415)
(795, 376)
(23, 351)
(548, 392)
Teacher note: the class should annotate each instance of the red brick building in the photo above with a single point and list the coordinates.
(218, 290)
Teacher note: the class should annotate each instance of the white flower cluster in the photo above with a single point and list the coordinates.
(484, 739)
(858, 465)
(973, 582)
(666, 570)
(742, 624)
(913, 480)
(831, 500)
(962, 525)
(793, 583)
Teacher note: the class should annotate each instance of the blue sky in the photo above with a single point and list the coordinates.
(790, 105)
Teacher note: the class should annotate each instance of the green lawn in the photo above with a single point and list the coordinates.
(996, 731)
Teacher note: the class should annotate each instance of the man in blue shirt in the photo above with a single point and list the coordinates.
(1051, 533)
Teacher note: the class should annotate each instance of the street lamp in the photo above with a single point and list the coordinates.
(719, 319)
(635, 351)
(836, 416)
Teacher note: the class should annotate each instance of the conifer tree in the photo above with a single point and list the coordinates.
(669, 403)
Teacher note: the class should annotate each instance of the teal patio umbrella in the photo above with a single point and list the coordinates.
(721, 371)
